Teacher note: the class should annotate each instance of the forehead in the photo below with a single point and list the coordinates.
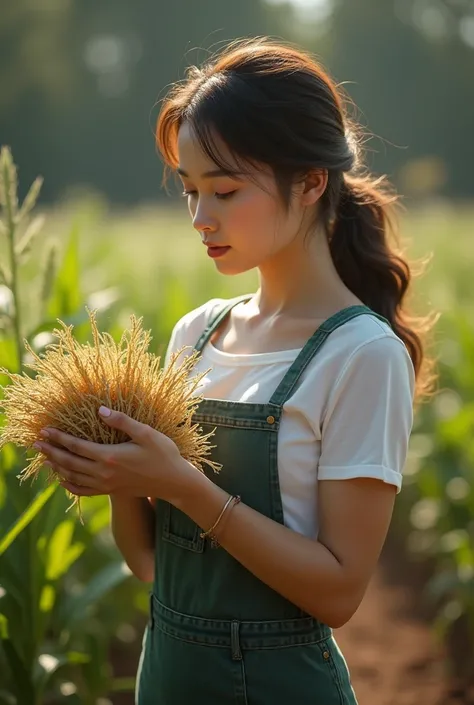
(196, 163)
(192, 157)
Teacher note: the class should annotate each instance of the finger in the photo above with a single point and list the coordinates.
(78, 446)
(62, 457)
(138, 432)
(78, 478)
(80, 491)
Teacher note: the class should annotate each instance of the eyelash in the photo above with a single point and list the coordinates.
(220, 196)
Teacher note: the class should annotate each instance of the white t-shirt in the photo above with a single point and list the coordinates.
(350, 414)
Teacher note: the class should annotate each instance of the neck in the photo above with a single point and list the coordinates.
(302, 281)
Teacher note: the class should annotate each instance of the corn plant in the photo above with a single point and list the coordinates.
(50, 647)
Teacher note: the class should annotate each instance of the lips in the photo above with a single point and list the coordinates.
(217, 251)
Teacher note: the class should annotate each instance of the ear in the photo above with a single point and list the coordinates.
(314, 185)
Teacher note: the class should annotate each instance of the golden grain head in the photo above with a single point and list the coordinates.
(72, 380)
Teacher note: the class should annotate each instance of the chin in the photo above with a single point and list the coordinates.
(232, 269)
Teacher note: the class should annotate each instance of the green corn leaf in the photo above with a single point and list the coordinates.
(47, 598)
(62, 564)
(48, 273)
(3, 490)
(57, 547)
(50, 662)
(10, 582)
(9, 458)
(97, 671)
(24, 688)
(50, 519)
(8, 356)
(75, 607)
(99, 520)
(66, 295)
(3, 626)
(28, 515)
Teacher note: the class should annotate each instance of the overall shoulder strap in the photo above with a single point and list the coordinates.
(217, 319)
(313, 345)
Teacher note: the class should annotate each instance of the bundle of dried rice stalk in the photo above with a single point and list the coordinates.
(73, 380)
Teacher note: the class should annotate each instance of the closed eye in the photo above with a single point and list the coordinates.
(224, 196)
(220, 196)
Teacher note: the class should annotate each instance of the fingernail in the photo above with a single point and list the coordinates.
(44, 433)
(38, 446)
(104, 411)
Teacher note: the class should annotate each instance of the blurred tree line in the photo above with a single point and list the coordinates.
(80, 82)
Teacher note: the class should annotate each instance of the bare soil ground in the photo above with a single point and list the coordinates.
(391, 650)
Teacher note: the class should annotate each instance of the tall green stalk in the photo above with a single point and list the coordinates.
(13, 283)
(12, 220)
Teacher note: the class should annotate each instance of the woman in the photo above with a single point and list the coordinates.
(311, 390)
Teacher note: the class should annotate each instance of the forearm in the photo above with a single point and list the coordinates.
(302, 570)
(133, 528)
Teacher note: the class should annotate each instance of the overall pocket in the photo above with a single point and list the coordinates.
(179, 529)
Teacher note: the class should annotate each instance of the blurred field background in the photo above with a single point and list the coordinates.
(80, 84)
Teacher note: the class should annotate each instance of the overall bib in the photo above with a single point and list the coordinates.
(217, 635)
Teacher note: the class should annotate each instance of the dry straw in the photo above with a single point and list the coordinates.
(72, 380)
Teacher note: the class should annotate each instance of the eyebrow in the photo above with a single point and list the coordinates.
(210, 174)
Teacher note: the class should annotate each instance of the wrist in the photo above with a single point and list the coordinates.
(200, 498)
(190, 485)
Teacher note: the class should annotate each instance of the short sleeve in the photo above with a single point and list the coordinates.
(173, 344)
(369, 415)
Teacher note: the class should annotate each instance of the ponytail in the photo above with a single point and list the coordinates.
(373, 269)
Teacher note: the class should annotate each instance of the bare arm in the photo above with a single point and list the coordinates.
(133, 528)
(326, 578)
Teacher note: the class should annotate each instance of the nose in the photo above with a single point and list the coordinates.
(203, 220)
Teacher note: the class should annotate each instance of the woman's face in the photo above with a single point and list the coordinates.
(245, 218)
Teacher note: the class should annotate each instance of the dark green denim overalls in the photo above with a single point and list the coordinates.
(217, 634)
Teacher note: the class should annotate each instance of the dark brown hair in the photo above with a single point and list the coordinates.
(273, 104)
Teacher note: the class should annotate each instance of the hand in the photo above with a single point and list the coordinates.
(150, 465)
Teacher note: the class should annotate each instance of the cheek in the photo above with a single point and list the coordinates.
(255, 214)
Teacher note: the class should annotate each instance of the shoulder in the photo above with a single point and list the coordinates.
(365, 337)
(368, 355)
(367, 340)
(362, 358)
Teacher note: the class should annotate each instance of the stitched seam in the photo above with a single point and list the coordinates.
(253, 427)
(358, 465)
(190, 641)
(272, 647)
(244, 681)
(333, 668)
